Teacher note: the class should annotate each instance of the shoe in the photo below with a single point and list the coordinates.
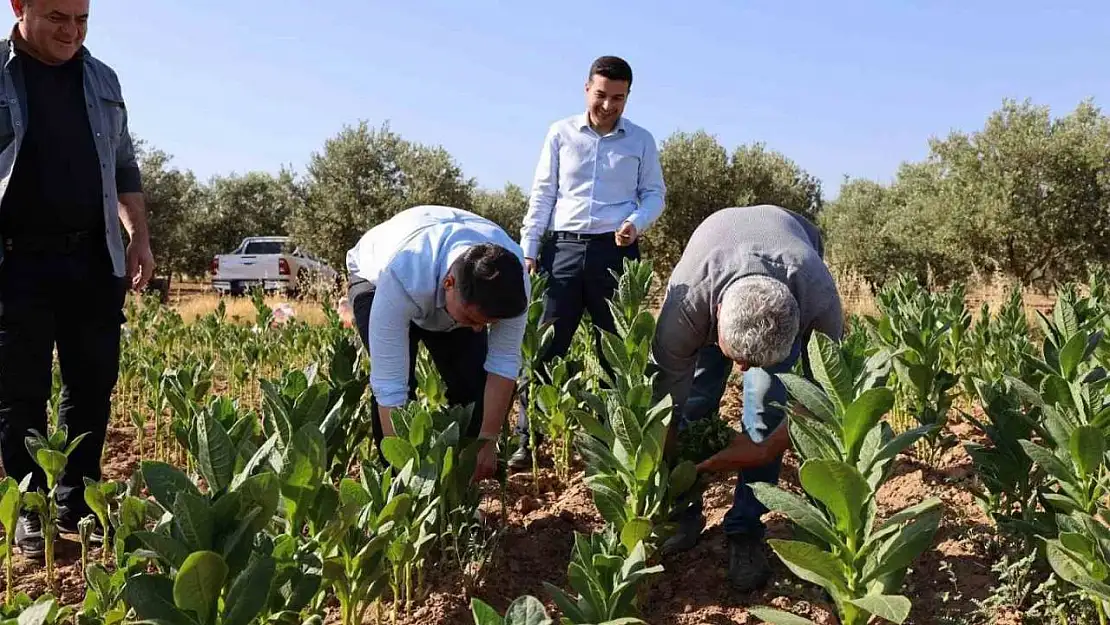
(521, 460)
(686, 535)
(68, 524)
(28, 536)
(748, 568)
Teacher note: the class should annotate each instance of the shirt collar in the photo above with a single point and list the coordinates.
(583, 120)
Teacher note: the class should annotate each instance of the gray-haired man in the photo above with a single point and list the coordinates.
(750, 289)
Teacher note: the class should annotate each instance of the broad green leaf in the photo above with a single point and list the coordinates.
(811, 563)
(567, 606)
(398, 452)
(1048, 461)
(151, 596)
(216, 456)
(905, 546)
(840, 487)
(682, 478)
(52, 463)
(39, 613)
(626, 429)
(894, 608)
(829, 370)
(778, 617)
(861, 416)
(262, 491)
(635, 531)
(1071, 355)
(248, 594)
(1087, 446)
(483, 613)
(527, 610)
(198, 584)
(167, 548)
(194, 521)
(799, 510)
(1070, 570)
(9, 504)
(811, 396)
(165, 482)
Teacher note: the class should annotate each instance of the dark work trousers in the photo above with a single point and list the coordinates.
(459, 356)
(71, 300)
(577, 268)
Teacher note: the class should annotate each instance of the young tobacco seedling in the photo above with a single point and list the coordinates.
(51, 454)
(526, 610)
(847, 451)
(11, 501)
(606, 580)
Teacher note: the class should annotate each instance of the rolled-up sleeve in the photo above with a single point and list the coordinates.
(129, 178)
(503, 356)
(390, 316)
(678, 338)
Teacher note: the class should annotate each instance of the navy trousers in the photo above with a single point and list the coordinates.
(459, 356)
(579, 279)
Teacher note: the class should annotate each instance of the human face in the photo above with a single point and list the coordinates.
(466, 315)
(54, 30)
(605, 100)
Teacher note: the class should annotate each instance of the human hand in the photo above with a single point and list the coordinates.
(487, 461)
(626, 235)
(530, 265)
(140, 263)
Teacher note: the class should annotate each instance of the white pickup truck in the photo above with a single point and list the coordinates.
(272, 263)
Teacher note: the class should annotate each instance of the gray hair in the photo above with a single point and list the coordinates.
(758, 321)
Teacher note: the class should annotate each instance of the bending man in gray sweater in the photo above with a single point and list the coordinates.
(750, 289)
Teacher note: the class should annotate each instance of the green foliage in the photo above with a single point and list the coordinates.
(847, 452)
(1025, 196)
(634, 489)
(702, 178)
(606, 574)
(505, 207)
(362, 177)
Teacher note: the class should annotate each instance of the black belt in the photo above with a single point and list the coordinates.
(61, 243)
(563, 235)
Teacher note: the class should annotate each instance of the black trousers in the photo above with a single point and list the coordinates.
(579, 279)
(459, 356)
(72, 301)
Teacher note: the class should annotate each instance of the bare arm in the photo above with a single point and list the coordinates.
(140, 258)
(744, 453)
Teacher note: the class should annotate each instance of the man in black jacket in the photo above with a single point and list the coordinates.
(68, 177)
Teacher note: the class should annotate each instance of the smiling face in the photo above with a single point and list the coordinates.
(54, 29)
(605, 100)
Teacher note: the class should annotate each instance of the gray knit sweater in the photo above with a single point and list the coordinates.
(730, 244)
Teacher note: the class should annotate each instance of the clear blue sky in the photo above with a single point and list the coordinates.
(840, 87)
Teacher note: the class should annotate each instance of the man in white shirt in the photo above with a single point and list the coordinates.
(456, 282)
(598, 186)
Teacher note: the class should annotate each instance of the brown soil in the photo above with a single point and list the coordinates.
(536, 543)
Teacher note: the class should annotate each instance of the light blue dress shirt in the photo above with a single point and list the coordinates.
(592, 184)
(406, 258)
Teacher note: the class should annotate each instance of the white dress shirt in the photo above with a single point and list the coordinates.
(406, 258)
(592, 184)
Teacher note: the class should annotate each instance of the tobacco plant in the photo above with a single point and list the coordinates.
(51, 454)
(633, 486)
(847, 451)
(915, 328)
(606, 574)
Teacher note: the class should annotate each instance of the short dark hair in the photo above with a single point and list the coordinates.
(491, 278)
(613, 68)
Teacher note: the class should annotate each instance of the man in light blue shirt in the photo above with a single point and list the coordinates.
(456, 282)
(598, 186)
